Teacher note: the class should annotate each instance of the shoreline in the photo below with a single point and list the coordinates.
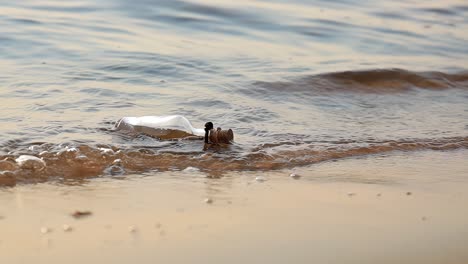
(393, 208)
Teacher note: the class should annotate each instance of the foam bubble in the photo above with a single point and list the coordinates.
(115, 170)
(30, 162)
(295, 176)
(260, 179)
(191, 169)
(71, 149)
(106, 150)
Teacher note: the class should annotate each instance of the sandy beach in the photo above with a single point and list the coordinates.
(378, 209)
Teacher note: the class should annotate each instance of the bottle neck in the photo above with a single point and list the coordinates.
(207, 131)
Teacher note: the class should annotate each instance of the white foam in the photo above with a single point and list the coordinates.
(30, 162)
(71, 149)
(106, 150)
(191, 169)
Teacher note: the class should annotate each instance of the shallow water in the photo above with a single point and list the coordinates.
(299, 82)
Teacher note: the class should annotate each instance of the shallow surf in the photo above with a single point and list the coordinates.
(298, 82)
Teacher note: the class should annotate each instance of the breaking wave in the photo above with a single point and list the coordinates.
(370, 81)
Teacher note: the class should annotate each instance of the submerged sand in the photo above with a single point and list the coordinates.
(397, 208)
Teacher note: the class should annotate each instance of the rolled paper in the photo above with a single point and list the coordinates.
(173, 126)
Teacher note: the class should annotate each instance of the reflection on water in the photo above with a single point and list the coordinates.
(299, 82)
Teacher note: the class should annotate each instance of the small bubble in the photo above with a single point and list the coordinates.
(115, 170)
(33, 147)
(82, 157)
(409, 193)
(294, 176)
(208, 201)
(191, 169)
(260, 179)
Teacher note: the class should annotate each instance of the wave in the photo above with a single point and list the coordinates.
(48, 161)
(370, 81)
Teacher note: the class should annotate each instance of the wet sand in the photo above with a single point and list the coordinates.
(397, 208)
